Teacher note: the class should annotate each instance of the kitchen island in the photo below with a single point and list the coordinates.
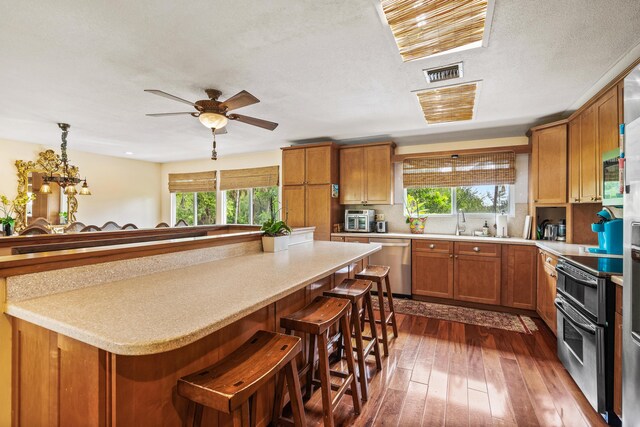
(111, 353)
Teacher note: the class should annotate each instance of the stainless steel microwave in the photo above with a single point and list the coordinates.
(611, 185)
(359, 220)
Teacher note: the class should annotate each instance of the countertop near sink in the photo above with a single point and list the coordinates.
(554, 247)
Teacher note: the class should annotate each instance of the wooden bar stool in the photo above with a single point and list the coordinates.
(357, 292)
(230, 385)
(316, 319)
(380, 274)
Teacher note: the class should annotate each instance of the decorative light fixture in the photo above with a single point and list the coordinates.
(67, 179)
(213, 120)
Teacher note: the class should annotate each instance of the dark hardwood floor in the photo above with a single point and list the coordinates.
(454, 374)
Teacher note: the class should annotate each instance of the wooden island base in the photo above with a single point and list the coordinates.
(61, 381)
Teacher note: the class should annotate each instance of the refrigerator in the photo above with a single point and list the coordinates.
(631, 288)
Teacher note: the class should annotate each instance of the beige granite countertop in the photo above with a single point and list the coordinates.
(434, 236)
(617, 280)
(555, 247)
(168, 310)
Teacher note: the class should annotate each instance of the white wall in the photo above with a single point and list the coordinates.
(239, 161)
(123, 190)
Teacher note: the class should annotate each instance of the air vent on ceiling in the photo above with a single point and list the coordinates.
(448, 72)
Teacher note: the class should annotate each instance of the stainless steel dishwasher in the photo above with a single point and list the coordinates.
(396, 253)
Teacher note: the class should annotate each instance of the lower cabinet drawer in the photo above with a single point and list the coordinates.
(434, 246)
(478, 249)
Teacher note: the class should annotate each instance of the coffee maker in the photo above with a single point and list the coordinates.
(609, 231)
(381, 224)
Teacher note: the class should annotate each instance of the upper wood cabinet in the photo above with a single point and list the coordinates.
(366, 174)
(548, 174)
(519, 268)
(592, 132)
(314, 164)
(307, 175)
(588, 155)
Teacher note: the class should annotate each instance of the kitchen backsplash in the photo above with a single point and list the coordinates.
(395, 218)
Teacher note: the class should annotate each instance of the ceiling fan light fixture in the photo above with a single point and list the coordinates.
(213, 120)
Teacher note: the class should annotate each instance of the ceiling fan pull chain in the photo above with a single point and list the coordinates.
(214, 153)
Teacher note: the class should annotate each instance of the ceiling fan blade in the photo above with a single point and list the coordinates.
(221, 131)
(239, 100)
(168, 95)
(253, 121)
(168, 114)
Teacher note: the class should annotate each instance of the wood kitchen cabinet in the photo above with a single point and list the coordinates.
(366, 174)
(546, 291)
(432, 268)
(307, 175)
(592, 132)
(548, 174)
(477, 269)
(313, 164)
(519, 276)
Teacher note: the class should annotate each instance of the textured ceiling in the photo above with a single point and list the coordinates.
(321, 68)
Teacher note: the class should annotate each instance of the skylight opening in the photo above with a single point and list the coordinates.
(423, 28)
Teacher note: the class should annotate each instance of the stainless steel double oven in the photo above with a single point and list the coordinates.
(585, 306)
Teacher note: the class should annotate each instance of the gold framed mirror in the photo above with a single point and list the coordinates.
(50, 206)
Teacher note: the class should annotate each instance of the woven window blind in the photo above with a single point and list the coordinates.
(235, 179)
(192, 182)
(467, 170)
(424, 28)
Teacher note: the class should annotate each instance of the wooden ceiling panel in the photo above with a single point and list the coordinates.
(426, 27)
(448, 104)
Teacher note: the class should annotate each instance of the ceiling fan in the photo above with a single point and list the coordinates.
(213, 113)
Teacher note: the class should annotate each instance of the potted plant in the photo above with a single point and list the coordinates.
(276, 233)
(63, 217)
(415, 217)
(8, 209)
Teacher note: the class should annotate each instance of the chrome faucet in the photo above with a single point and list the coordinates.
(460, 229)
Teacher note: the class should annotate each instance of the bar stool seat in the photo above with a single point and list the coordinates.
(316, 319)
(357, 292)
(230, 385)
(379, 274)
(374, 272)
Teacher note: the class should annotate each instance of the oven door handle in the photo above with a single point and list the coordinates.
(587, 328)
(575, 279)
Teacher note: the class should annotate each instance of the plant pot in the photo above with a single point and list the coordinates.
(416, 225)
(8, 229)
(275, 244)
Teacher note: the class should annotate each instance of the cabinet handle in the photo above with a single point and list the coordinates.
(432, 246)
(451, 256)
(535, 201)
(549, 260)
(576, 199)
(476, 249)
(456, 256)
(552, 275)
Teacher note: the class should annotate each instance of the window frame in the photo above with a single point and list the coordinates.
(454, 205)
(195, 207)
